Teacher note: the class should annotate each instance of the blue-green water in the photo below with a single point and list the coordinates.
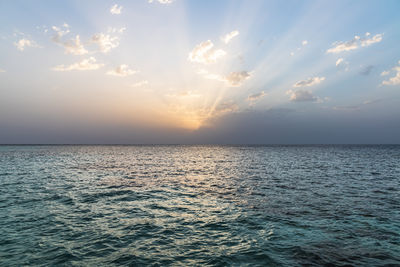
(200, 205)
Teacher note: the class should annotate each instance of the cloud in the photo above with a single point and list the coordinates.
(72, 46)
(60, 32)
(85, 64)
(115, 9)
(395, 80)
(1, 70)
(233, 79)
(302, 96)
(385, 73)
(344, 46)
(303, 43)
(228, 37)
(237, 78)
(121, 71)
(105, 42)
(342, 64)
(367, 70)
(205, 53)
(355, 43)
(309, 82)
(347, 108)
(140, 84)
(162, 1)
(116, 30)
(225, 107)
(369, 102)
(22, 43)
(369, 41)
(339, 61)
(254, 97)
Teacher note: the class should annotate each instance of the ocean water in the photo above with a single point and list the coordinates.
(200, 205)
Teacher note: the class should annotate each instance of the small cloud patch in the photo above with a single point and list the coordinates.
(116, 10)
(121, 71)
(233, 79)
(72, 46)
(205, 53)
(395, 80)
(301, 96)
(85, 64)
(24, 42)
(309, 82)
(355, 43)
(228, 37)
(105, 42)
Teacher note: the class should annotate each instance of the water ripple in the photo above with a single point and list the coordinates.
(200, 205)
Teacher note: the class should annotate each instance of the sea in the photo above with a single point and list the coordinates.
(206, 205)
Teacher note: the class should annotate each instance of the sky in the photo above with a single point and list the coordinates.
(199, 72)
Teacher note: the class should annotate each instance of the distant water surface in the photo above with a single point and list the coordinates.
(200, 205)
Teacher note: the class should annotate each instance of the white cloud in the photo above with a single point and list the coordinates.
(1, 70)
(85, 64)
(342, 64)
(302, 96)
(115, 9)
(340, 60)
(116, 30)
(205, 53)
(309, 82)
(72, 46)
(22, 43)
(233, 79)
(395, 80)
(140, 84)
(105, 42)
(257, 96)
(162, 1)
(228, 37)
(355, 43)
(121, 71)
(303, 43)
(369, 41)
(344, 46)
(385, 73)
